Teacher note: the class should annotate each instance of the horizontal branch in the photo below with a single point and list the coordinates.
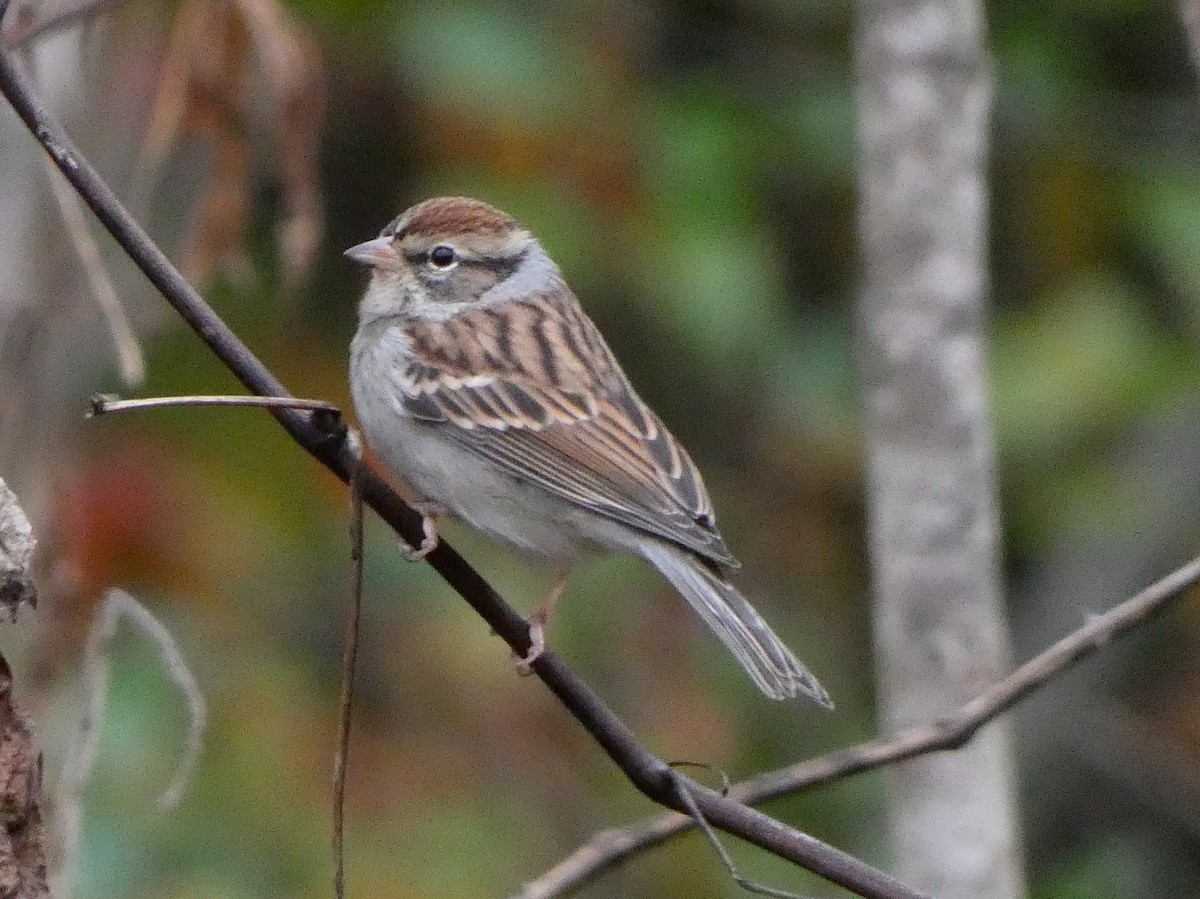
(105, 403)
(610, 847)
(327, 444)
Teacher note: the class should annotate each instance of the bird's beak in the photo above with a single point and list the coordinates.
(377, 253)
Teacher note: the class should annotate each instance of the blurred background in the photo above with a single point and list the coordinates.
(691, 166)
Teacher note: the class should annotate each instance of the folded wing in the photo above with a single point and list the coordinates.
(532, 387)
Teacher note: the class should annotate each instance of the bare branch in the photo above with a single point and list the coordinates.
(648, 773)
(104, 403)
(610, 847)
(697, 817)
(81, 753)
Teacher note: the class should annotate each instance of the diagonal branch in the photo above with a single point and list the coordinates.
(610, 847)
(325, 442)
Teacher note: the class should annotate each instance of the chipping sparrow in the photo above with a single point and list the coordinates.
(481, 383)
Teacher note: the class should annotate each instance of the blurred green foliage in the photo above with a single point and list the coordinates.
(691, 166)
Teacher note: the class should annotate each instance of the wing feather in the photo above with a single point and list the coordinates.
(564, 417)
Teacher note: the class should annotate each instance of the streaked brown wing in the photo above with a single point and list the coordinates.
(534, 389)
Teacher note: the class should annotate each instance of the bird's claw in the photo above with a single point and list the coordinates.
(537, 646)
(429, 539)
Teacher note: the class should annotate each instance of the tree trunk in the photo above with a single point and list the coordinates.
(924, 92)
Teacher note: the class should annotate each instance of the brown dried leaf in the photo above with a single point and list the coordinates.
(241, 73)
(216, 240)
(295, 78)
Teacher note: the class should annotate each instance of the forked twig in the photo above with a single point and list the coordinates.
(684, 792)
(610, 847)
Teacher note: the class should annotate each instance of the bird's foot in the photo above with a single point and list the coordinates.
(430, 513)
(537, 643)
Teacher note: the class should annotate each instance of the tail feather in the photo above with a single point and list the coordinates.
(771, 665)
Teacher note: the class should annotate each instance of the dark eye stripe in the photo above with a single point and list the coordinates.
(504, 266)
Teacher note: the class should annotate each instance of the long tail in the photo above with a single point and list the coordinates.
(769, 663)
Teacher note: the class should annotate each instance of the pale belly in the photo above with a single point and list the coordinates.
(522, 516)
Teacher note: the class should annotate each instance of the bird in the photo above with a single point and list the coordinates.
(480, 382)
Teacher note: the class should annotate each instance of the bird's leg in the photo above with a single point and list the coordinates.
(430, 513)
(537, 624)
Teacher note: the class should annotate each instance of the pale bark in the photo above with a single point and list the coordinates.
(924, 92)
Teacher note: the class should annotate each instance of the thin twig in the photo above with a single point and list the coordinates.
(697, 817)
(612, 846)
(129, 351)
(104, 403)
(349, 663)
(324, 441)
(81, 754)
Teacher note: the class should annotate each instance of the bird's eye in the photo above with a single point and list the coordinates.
(442, 256)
